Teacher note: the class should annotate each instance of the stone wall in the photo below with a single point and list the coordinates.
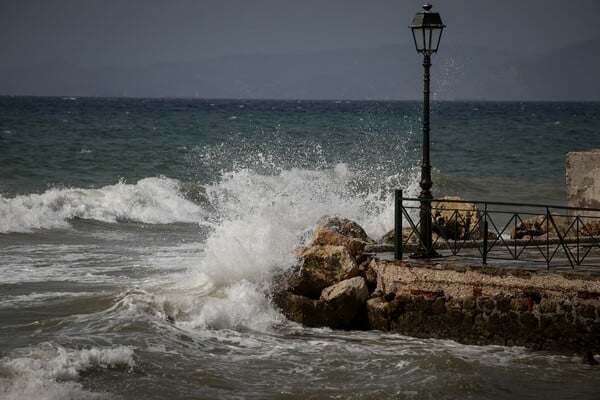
(583, 179)
(487, 306)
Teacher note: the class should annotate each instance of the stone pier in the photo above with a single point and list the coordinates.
(479, 305)
(342, 285)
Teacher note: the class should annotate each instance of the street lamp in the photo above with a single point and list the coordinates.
(427, 30)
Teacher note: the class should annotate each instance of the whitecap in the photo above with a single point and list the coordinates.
(48, 371)
(150, 200)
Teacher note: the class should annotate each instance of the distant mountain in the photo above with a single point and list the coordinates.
(391, 72)
(571, 73)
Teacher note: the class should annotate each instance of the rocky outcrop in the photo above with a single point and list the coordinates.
(337, 307)
(591, 229)
(542, 310)
(345, 299)
(337, 231)
(450, 221)
(456, 221)
(326, 289)
(539, 225)
(409, 236)
(322, 266)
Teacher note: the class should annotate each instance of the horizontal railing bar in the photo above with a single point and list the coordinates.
(498, 203)
(473, 244)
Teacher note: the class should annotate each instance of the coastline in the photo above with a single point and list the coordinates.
(544, 310)
(342, 286)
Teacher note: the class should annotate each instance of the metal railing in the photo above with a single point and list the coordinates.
(532, 233)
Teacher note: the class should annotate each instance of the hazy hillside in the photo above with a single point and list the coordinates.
(391, 72)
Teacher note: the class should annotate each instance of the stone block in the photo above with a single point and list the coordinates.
(438, 306)
(586, 311)
(379, 313)
(469, 303)
(583, 179)
(547, 306)
(529, 321)
(503, 304)
(519, 304)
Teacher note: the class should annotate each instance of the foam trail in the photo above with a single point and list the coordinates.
(49, 372)
(150, 200)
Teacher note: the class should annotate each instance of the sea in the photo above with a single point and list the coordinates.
(139, 239)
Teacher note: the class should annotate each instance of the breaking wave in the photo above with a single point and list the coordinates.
(49, 371)
(151, 200)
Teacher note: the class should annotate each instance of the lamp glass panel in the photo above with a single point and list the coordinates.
(419, 37)
(428, 37)
(435, 38)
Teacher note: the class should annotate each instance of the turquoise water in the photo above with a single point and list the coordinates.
(139, 239)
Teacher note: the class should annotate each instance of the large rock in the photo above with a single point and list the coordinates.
(300, 309)
(409, 236)
(336, 308)
(326, 289)
(591, 229)
(344, 300)
(340, 232)
(322, 266)
(452, 221)
(456, 221)
(379, 313)
(539, 225)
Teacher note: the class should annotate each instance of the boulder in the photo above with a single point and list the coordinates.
(408, 236)
(453, 221)
(456, 221)
(326, 289)
(591, 229)
(336, 308)
(322, 266)
(344, 300)
(300, 309)
(337, 231)
(538, 225)
(379, 312)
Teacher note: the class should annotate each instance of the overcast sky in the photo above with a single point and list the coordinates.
(132, 32)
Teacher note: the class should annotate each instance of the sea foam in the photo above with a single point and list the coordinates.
(155, 200)
(261, 219)
(48, 371)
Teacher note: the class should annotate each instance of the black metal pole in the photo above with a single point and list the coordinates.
(426, 248)
(398, 224)
(485, 234)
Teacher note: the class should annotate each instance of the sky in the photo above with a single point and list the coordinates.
(133, 32)
(95, 34)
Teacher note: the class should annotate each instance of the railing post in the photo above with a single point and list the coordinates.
(485, 235)
(398, 224)
(548, 237)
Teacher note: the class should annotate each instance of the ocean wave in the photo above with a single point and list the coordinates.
(260, 218)
(219, 280)
(241, 306)
(48, 371)
(155, 200)
(263, 217)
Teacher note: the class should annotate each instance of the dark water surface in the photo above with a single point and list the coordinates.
(138, 240)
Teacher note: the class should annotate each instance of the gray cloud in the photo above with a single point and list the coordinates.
(101, 39)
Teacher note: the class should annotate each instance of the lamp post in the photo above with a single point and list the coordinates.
(427, 30)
